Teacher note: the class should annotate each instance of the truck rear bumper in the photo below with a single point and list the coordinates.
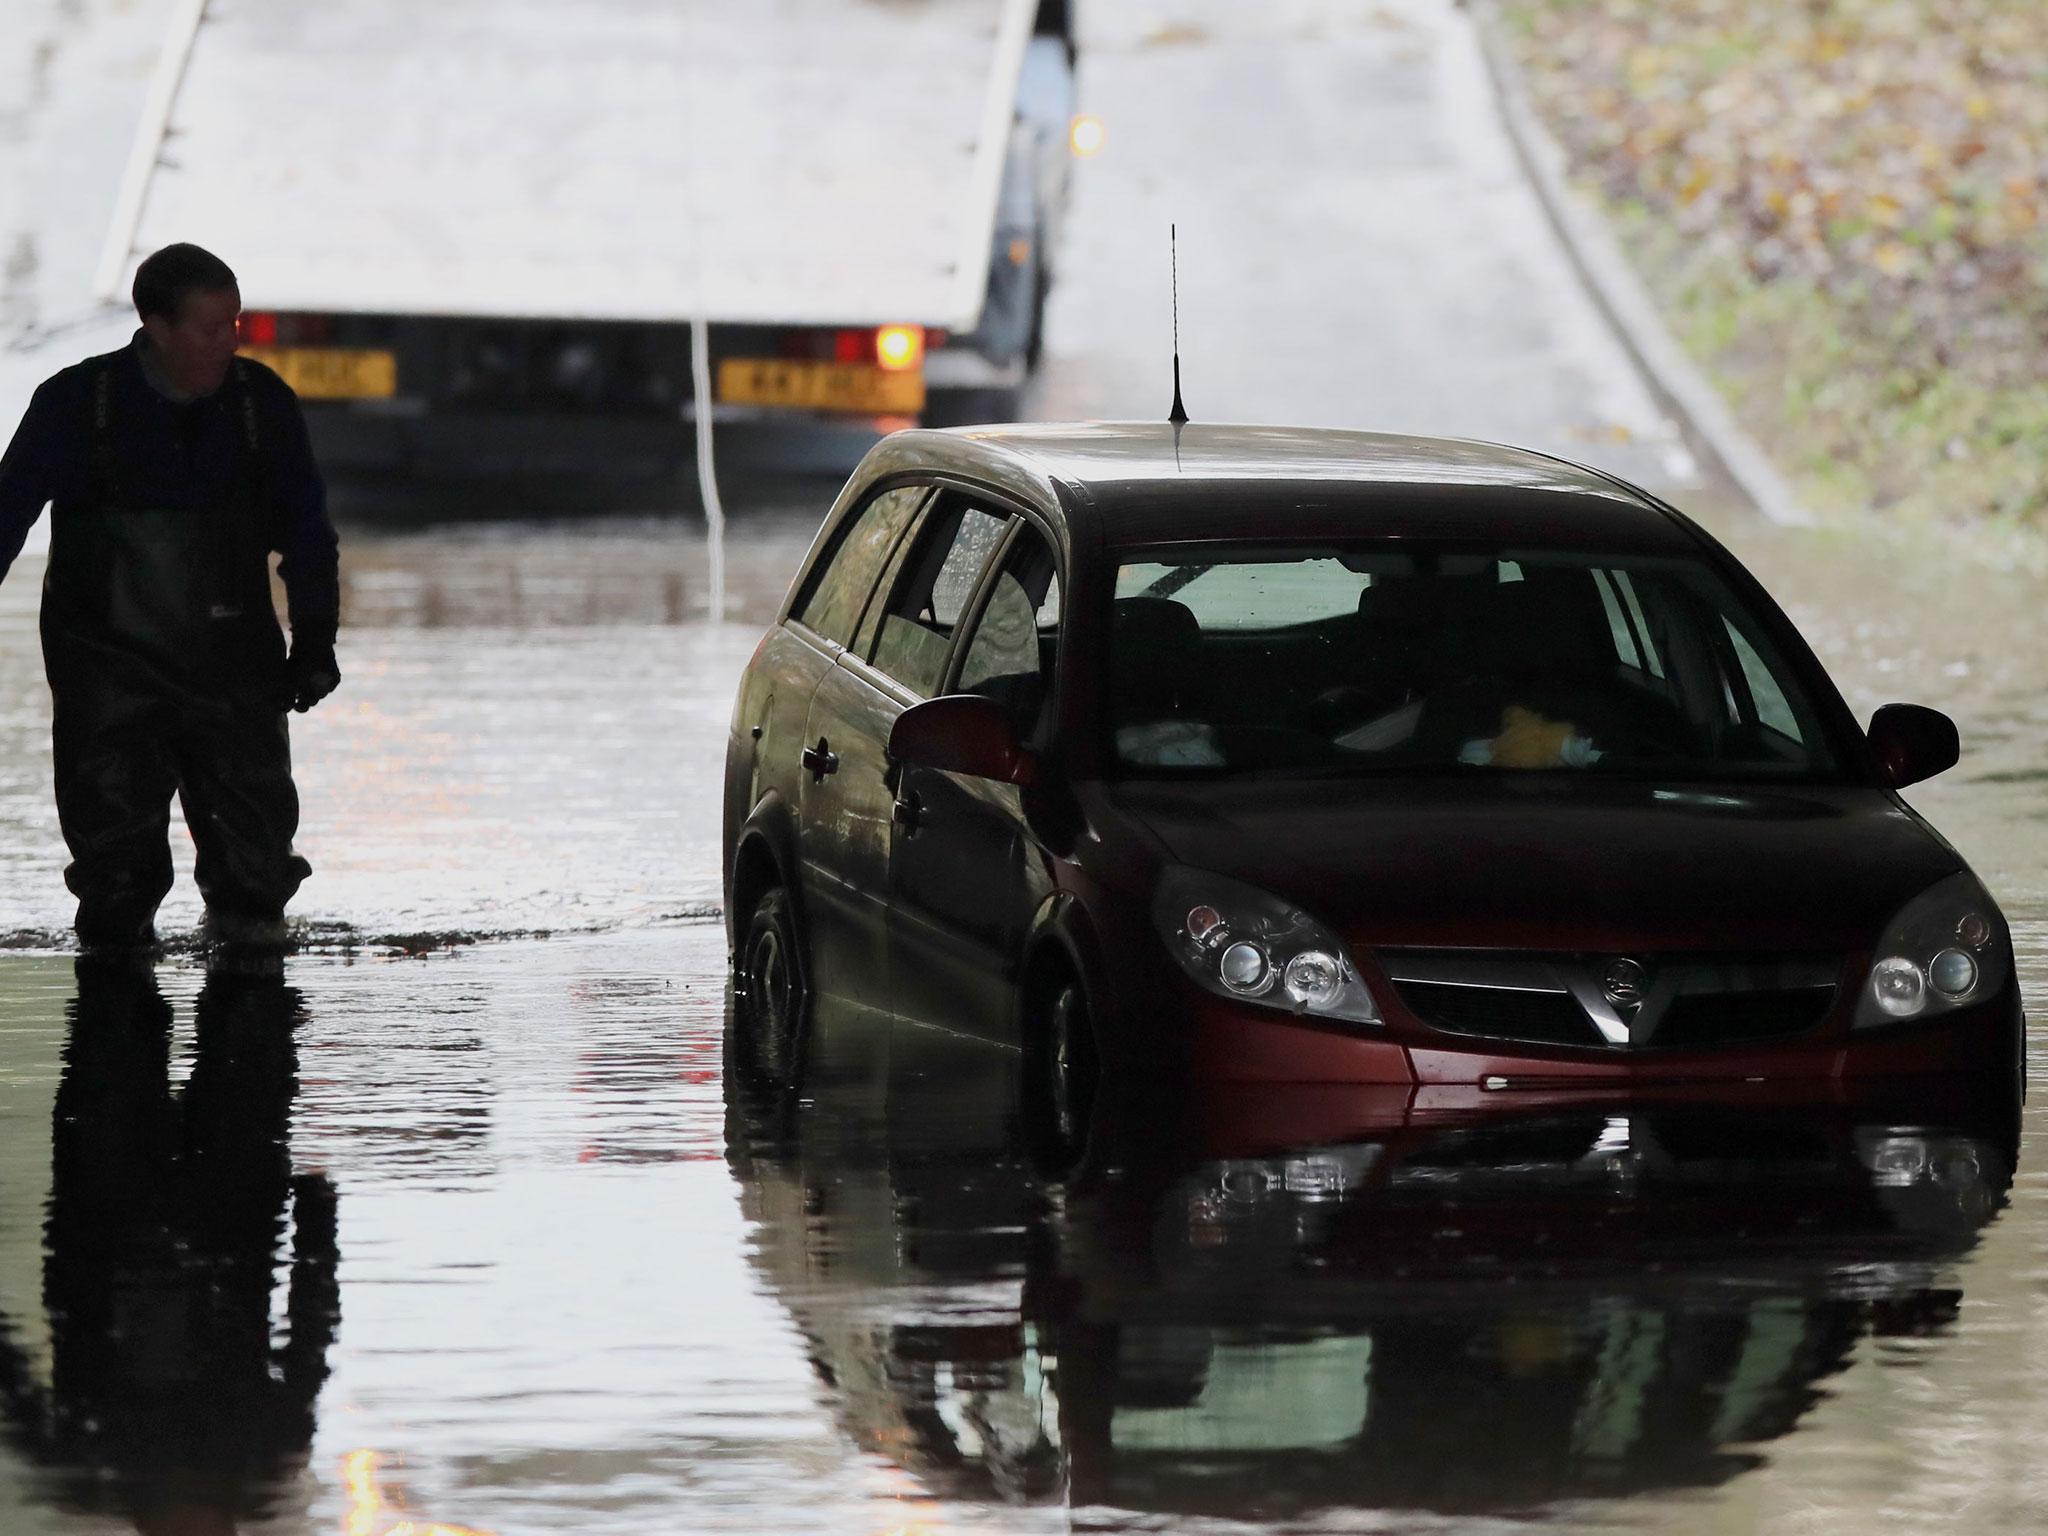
(380, 462)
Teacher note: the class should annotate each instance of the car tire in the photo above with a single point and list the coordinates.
(2020, 1057)
(771, 995)
(2012, 1094)
(1062, 1076)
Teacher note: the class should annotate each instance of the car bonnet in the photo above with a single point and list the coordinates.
(1504, 861)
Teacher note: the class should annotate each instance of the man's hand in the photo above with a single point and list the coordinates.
(309, 677)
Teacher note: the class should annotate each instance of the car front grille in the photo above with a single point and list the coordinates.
(1500, 1013)
(1613, 1002)
(1727, 1018)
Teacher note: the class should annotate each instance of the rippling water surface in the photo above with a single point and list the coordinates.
(477, 1235)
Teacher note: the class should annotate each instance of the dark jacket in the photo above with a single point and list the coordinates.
(98, 437)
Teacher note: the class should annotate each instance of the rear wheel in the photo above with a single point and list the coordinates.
(1062, 1076)
(772, 996)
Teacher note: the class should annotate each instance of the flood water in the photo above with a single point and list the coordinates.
(462, 1227)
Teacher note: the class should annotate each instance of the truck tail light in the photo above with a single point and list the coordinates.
(264, 328)
(900, 348)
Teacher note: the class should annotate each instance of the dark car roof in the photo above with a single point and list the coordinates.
(1145, 482)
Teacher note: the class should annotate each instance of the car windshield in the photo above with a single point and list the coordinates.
(1449, 661)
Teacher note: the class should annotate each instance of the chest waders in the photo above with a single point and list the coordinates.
(166, 668)
(174, 598)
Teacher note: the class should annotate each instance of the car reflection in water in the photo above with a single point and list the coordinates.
(1497, 1304)
(172, 1397)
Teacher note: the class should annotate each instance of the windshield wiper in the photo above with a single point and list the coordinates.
(1175, 579)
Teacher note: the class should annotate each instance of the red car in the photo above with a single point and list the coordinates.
(1289, 756)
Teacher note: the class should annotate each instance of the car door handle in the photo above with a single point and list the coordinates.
(909, 812)
(820, 760)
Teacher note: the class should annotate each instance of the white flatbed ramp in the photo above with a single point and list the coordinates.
(780, 161)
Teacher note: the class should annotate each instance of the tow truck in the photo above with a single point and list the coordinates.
(449, 217)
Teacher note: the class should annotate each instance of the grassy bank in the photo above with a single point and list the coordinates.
(1842, 207)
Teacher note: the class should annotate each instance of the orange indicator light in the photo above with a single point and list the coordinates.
(900, 348)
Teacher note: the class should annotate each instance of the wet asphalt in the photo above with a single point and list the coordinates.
(559, 1274)
(463, 1226)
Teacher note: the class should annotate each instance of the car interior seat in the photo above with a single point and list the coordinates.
(1388, 649)
(1156, 658)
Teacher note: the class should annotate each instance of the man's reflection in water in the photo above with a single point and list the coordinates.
(1500, 1309)
(175, 1398)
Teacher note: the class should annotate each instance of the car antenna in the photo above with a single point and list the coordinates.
(1179, 414)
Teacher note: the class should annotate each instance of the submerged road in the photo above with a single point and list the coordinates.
(466, 1230)
(573, 1284)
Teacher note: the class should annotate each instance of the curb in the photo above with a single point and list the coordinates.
(1708, 426)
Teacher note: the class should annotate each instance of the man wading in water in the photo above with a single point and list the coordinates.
(174, 470)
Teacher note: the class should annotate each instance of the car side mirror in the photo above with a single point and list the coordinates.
(1914, 743)
(962, 733)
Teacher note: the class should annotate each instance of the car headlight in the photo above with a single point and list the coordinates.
(1241, 943)
(1898, 1158)
(1946, 949)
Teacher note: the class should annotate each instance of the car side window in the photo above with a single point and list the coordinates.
(931, 594)
(1773, 711)
(840, 591)
(1010, 656)
(892, 573)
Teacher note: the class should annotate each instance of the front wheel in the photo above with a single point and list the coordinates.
(772, 994)
(1062, 1076)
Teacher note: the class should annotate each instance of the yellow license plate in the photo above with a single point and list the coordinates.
(332, 373)
(858, 387)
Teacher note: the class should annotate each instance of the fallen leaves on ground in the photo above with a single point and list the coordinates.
(1844, 204)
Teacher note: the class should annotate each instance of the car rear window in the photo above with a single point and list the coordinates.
(1449, 661)
(1250, 595)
